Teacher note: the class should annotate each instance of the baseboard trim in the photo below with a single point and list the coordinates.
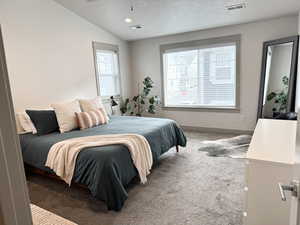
(216, 130)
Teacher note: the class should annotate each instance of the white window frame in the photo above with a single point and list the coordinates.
(106, 47)
(198, 44)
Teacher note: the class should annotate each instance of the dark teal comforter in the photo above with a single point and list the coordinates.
(107, 170)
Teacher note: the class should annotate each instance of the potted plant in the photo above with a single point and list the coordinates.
(280, 98)
(142, 102)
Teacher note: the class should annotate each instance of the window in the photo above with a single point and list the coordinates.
(201, 74)
(107, 69)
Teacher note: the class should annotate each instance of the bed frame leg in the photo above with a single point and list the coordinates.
(177, 148)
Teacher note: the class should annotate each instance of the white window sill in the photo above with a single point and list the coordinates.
(201, 109)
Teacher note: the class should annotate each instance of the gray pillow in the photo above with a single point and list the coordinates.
(44, 121)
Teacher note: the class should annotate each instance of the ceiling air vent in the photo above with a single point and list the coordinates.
(136, 27)
(235, 5)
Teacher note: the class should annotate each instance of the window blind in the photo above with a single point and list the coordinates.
(203, 76)
(108, 72)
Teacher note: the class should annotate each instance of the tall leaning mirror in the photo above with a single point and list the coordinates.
(278, 79)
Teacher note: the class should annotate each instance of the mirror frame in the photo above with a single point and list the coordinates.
(293, 72)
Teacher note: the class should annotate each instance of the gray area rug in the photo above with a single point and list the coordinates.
(234, 147)
(185, 188)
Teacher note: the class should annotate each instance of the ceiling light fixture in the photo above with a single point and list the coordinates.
(128, 20)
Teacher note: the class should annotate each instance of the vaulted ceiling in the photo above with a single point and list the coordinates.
(163, 17)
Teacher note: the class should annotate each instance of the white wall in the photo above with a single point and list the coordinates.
(49, 53)
(145, 60)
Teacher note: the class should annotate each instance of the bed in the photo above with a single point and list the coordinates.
(106, 170)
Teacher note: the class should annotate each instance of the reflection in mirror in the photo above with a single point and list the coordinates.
(278, 68)
(278, 79)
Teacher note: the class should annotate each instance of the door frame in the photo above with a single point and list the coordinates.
(14, 200)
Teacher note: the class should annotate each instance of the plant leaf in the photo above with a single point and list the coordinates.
(271, 96)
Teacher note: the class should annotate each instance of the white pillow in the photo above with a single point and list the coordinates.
(24, 124)
(88, 105)
(65, 114)
(20, 129)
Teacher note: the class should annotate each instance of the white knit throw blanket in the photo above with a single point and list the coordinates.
(62, 155)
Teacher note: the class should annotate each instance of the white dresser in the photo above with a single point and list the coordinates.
(269, 161)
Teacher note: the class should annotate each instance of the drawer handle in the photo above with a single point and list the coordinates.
(293, 187)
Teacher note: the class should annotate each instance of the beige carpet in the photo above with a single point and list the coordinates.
(188, 188)
(44, 217)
